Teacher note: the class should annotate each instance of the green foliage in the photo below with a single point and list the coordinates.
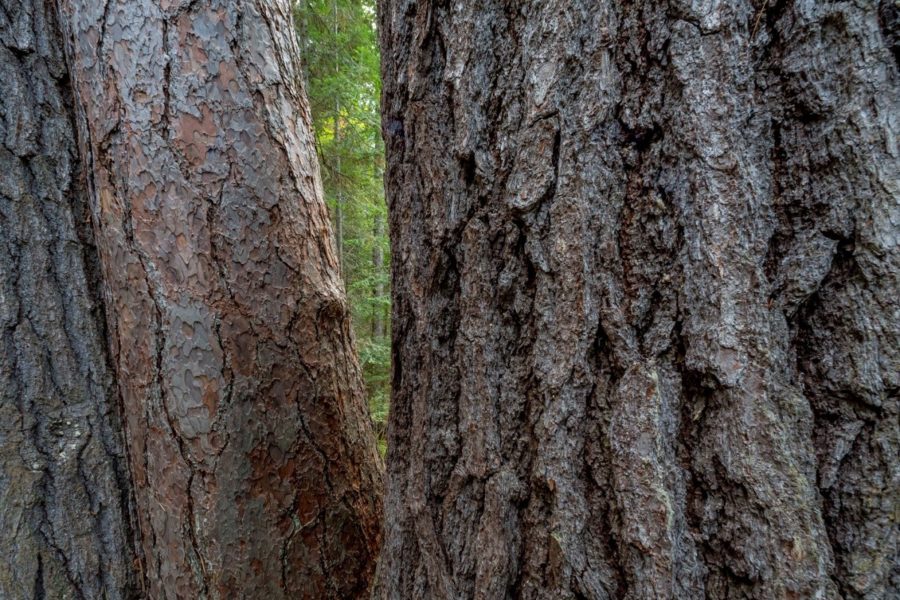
(339, 46)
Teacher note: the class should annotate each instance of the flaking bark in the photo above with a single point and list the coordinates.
(645, 283)
(254, 462)
(65, 517)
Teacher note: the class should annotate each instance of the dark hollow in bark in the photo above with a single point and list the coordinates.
(65, 521)
(645, 284)
(255, 467)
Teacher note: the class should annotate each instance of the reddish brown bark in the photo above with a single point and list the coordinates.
(255, 467)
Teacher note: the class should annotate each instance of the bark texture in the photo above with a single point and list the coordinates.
(255, 466)
(65, 521)
(645, 283)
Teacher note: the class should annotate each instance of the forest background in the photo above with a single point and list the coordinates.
(339, 46)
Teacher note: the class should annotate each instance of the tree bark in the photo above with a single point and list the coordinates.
(65, 512)
(645, 290)
(255, 466)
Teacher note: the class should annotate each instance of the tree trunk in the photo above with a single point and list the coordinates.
(645, 287)
(65, 517)
(252, 451)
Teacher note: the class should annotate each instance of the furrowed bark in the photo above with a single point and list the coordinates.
(645, 290)
(65, 517)
(252, 451)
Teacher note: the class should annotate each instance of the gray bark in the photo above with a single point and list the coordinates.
(252, 452)
(65, 521)
(645, 280)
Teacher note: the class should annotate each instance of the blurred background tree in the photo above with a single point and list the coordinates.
(339, 45)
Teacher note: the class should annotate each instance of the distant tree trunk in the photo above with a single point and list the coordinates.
(645, 287)
(255, 466)
(65, 520)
